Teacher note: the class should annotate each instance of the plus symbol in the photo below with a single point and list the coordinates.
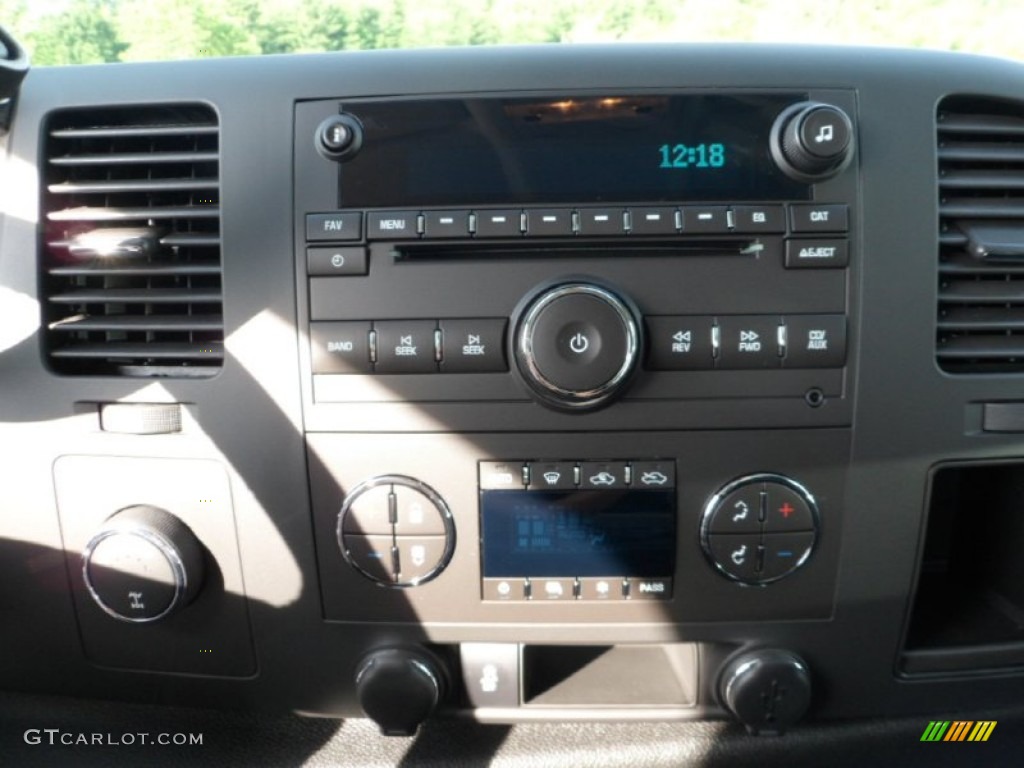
(786, 510)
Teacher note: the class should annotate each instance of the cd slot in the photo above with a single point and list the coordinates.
(461, 251)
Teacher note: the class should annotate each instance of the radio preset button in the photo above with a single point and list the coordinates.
(501, 475)
(418, 557)
(552, 476)
(498, 223)
(819, 218)
(710, 220)
(405, 346)
(334, 226)
(652, 221)
(602, 221)
(392, 225)
(340, 347)
(604, 475)
(549, 222)
(749, 341)
(328, 262)
(445, 224)
(758, 218)
(815, 341)
(650, 589)
(740, 511)
(680, 343)
(473, 346)
(817, 254)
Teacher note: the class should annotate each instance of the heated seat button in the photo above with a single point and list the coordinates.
(473, 346)
(680, 343)
(815, 341)
(784, 553)
(736, 555)
(340, 347)
(748, 341)
(405, 346)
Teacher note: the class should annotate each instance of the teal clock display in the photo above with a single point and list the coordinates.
(692, 156)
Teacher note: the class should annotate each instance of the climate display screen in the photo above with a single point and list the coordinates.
(569, 149)
(578, 533)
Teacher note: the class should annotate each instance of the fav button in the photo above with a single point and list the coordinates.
(334, 226)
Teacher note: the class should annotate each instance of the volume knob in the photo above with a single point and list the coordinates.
(811, 141)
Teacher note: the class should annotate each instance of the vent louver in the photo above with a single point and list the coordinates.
(981, 235)
(131, 242)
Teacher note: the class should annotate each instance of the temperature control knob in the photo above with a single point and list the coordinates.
(812, 141)
(576, 345)
(143, 565)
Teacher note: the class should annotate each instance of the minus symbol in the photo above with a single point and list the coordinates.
(653, 217)
(602, 217)
(549, 219)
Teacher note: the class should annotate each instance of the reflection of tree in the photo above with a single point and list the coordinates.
(80, 31)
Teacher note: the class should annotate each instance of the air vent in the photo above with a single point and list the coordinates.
(131, 244)
(981, 236)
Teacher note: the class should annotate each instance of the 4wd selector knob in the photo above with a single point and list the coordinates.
(812, 141)
(144, 564)
(576, 345)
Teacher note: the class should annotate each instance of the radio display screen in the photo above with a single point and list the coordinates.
(568, 149)
(578, 533)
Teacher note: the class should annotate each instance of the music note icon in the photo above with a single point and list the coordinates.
(825, 133)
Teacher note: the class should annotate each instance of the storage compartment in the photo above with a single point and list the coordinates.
(968, 611)
(618, 676)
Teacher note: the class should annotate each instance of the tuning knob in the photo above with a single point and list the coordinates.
(143, 565)
(767, 690)
(399, 688)
(576, 345)
(811, 141)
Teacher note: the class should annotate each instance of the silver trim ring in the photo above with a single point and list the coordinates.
(760, 477)
(570, 397)
(417, 485)
(166, 548)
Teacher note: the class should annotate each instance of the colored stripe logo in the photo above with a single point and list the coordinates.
(959, 730)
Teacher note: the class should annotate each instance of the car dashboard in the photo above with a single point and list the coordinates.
(589, 384)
